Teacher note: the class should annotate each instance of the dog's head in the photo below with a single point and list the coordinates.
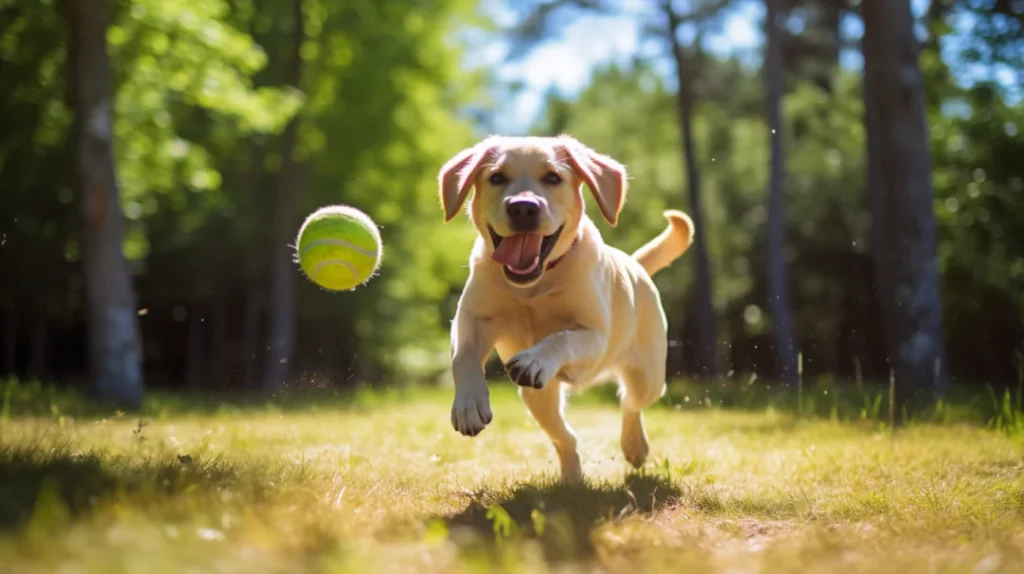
(528, 203)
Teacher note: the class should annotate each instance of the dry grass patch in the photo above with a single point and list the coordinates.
(385, 484)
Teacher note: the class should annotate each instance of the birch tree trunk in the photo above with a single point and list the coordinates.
(114, 353)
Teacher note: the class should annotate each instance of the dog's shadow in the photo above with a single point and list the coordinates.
(560, 517)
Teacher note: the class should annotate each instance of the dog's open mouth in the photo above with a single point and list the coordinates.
(523, 255)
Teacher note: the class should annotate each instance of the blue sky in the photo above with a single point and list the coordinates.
(586, 41)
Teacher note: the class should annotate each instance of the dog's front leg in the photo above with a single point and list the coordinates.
(571, 351)
(472, 341)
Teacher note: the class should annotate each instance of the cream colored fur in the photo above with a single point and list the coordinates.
(595, 314)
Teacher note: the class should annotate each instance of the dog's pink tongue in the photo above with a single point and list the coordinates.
(519, 252)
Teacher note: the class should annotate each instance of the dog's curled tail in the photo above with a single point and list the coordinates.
(661, 251)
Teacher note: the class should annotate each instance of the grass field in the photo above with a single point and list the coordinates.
(379, 482)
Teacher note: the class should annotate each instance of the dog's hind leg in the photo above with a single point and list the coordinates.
(641, 387)
(547, 405)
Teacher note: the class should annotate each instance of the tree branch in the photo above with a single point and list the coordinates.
(703, 12)
(527, 33)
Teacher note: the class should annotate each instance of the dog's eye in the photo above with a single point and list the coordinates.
(552, 178)
(498, 178)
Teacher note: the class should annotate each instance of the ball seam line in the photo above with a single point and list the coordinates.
(351, 268)
(338, 243)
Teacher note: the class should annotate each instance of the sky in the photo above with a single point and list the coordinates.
(566, 61)
(587, 41)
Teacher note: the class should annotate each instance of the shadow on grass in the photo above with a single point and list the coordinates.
(48, 489)
(560, 518)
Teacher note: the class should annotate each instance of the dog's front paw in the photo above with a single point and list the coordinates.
(529, 369)
(471, 412)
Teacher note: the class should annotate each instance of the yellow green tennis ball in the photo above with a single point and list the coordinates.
(339, 247)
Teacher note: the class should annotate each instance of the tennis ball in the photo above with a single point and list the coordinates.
(339, 247)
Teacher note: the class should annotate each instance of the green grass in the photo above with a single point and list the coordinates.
(378, 481)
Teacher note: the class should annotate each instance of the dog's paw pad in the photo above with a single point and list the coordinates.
(527, 371)
(520, 374)
(470, 414)
(635, 449)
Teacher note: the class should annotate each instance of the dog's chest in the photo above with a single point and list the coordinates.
(525, 324)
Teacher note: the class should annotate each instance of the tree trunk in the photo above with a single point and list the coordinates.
(911, 302)
(833, 18)
(11, 337)
(114, 354)
(255, 290)
(194, 347)
(218, 346)
(831, 24)
(251, 338)
(285, 227)
(37, 361)
(778, 268)
(875, 190)
(706, 335)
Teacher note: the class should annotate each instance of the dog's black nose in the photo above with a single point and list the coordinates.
(523, 213)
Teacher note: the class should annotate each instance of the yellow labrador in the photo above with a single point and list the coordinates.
(558, 304)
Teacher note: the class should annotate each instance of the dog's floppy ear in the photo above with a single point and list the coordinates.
(605, 177)
(457, 175)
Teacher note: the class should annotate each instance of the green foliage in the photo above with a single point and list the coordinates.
(201, 96)
(39, 224)
(628, 113)
(380, 123)
(975, 135)
(203, 93)
(179, 61)
(174, 63)
(979, 198)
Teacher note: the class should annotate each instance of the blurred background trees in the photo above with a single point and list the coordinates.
(232, 119)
